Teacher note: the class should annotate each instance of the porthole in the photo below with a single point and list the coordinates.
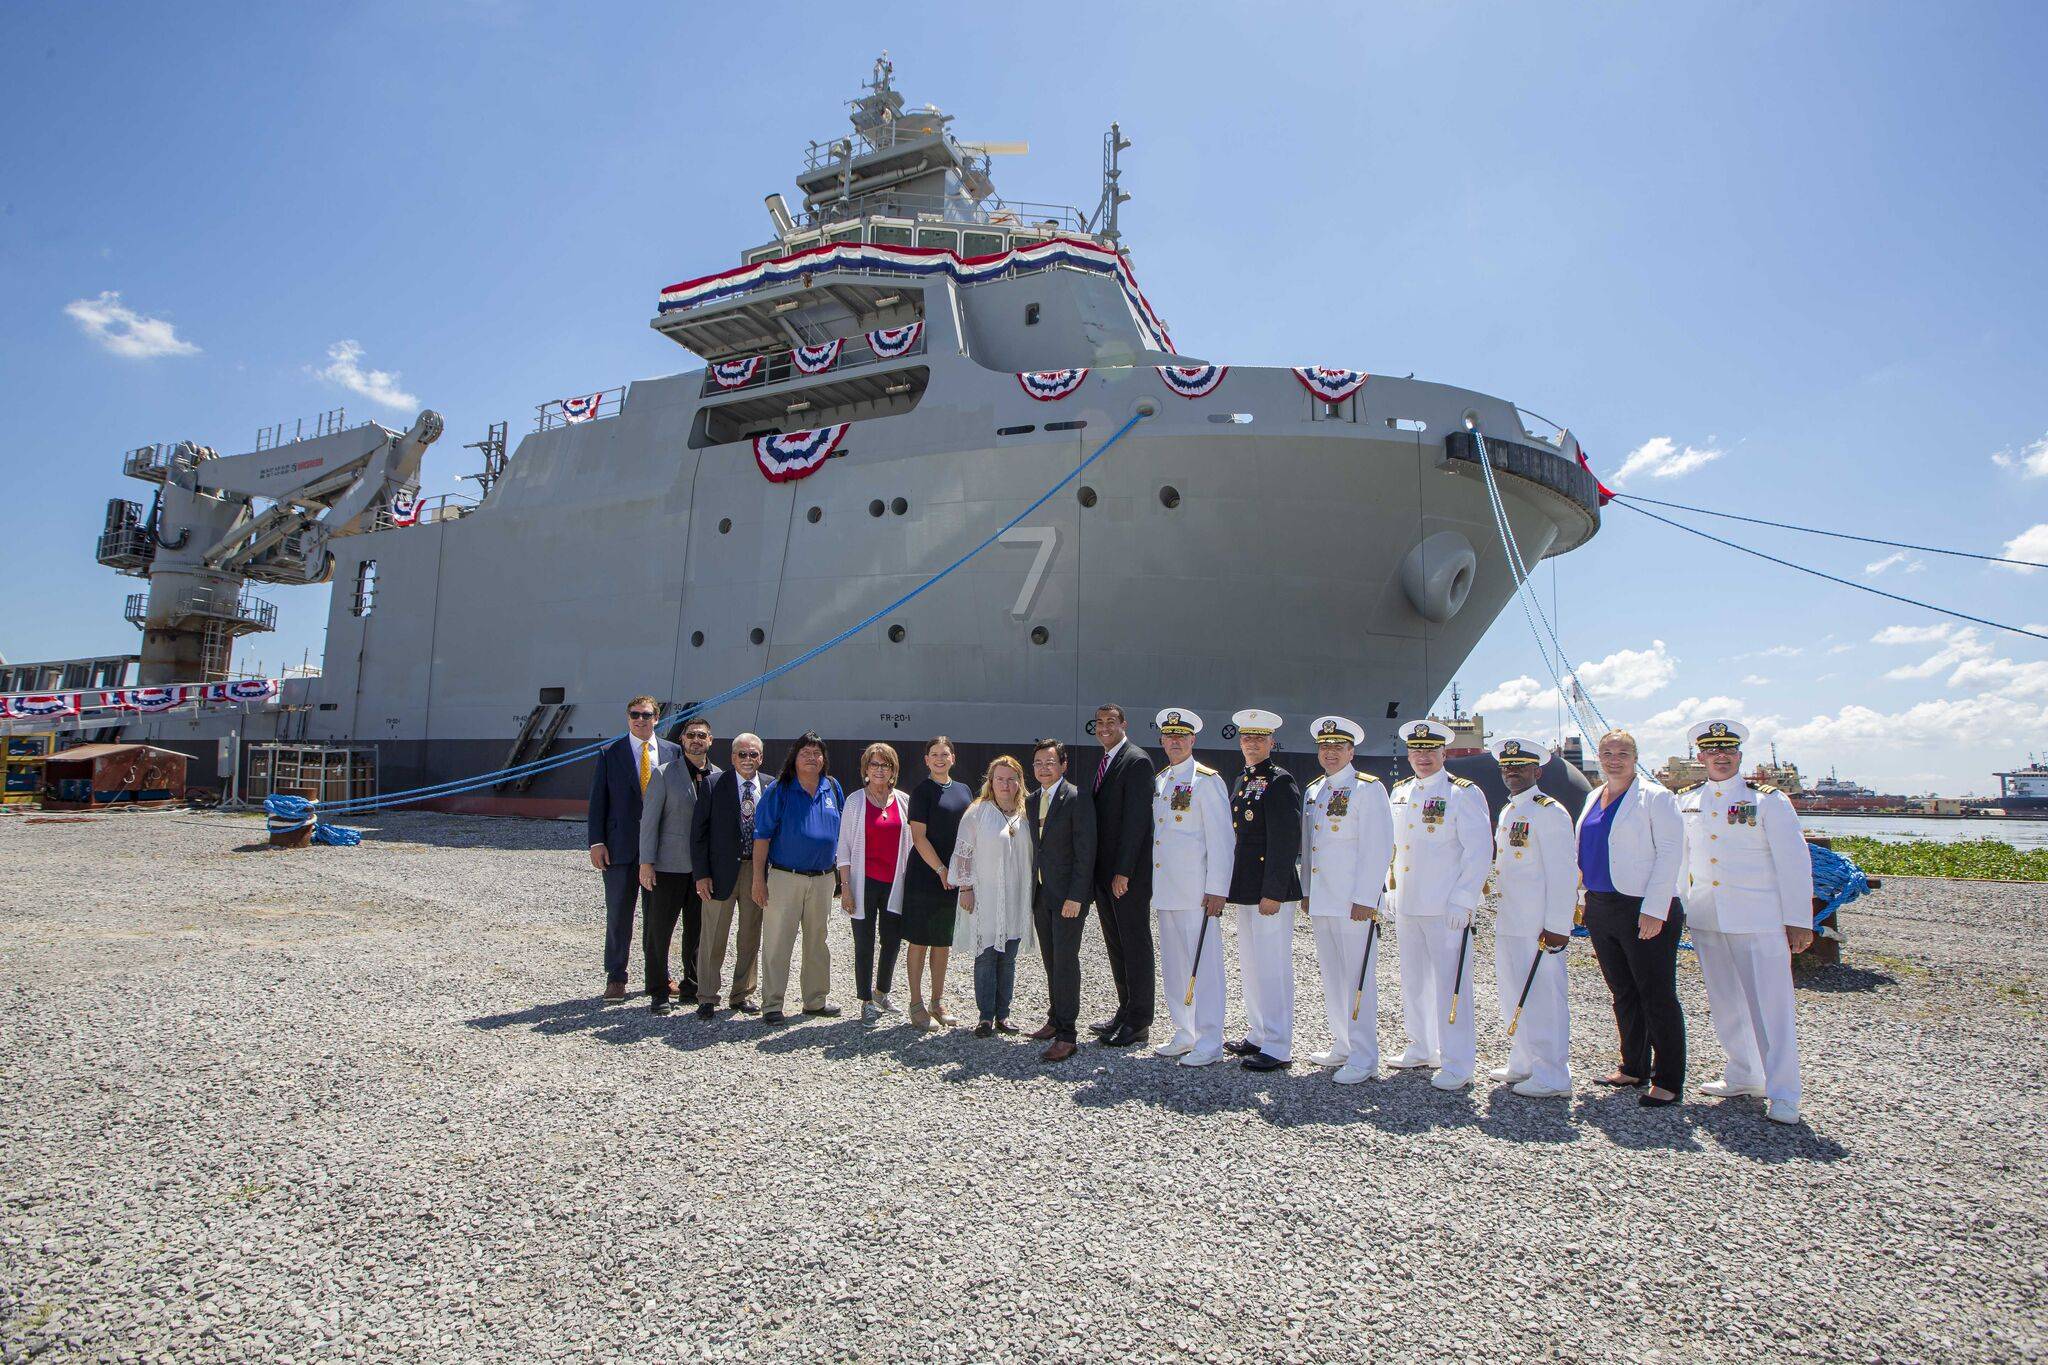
(697, 639)
(876, 508)
(1039, 635)
(1086, 495)
(815, 515)
(758, 635)
(899, 506)
(1169, 496)
(896, 634)
(725, 526)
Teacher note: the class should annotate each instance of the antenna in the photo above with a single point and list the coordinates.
(1113, 142)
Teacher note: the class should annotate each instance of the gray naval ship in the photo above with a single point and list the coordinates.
(930, 358)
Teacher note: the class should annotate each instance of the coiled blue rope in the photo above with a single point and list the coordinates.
(288, 814)
(535, 767)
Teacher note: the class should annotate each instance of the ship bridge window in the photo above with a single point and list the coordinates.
(1019, 241)
(846, 234)
(983, 243)
(888, 234)
(944, 238)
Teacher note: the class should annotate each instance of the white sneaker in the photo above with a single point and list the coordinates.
(1781, 1111)
(869, 1012)
(1209, 1058)
(1725, 1089)
(1501, 1075)
(1327, 1058)
(1444, 1080)
(1352, 1075)
(1536, 1090)
(1411, 1060)
(1174, 1047)
(885, 1004)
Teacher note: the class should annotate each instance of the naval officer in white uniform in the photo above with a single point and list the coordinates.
(1443, 849)
(1748, 892)
(1536, 882)
(1347, 835)
(1192, 844)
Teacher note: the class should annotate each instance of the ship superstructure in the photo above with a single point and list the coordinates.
(906, 365)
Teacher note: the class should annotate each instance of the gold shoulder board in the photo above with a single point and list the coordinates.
(1689, 787)
(1543, 800)
(1461, 781)
(1205, 768)
(1367, 777)
(1758, 786)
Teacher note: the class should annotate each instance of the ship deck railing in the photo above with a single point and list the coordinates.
(552, 414)
(440, 507)
(778, 365)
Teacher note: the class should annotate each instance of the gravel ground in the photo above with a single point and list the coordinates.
(362, 1103)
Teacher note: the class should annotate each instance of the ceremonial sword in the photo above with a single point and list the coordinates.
(1200, 934)
(1458, 981)
(1527, 982)
(1364, 964)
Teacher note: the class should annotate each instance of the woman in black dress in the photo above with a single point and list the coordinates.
(929, 899)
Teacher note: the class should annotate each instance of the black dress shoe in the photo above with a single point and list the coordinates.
(706, 1011)
(825, 1012)
(984, 1029)
(1126, 1035)
(1243, 1047)
(1005, 1026)
(661, 1007)
(1649, 1101)
(1262, 1061)
(772, 1017)
(1102, 1028)
(746, 1007)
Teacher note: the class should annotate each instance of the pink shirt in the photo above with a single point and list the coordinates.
(884, 839)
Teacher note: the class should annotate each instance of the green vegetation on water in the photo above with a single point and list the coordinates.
(1982, 859)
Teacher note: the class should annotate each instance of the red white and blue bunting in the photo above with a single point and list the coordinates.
(1193, 381)
(582, 409)
(242, 690)
(797, 454)
(42, 706)
(1329, 383)
(731, 374)
(890, 342)
(816, 359)
(405, 508)
(148, 701)
(1049, 386)
(914, 260)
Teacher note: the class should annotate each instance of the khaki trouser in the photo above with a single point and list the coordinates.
(795, 901)
(718, 916)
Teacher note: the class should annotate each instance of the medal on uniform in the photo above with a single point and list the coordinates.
(1518, 834)
(1743, 813)
(1433, 810)
(1183, 798)
(1340, 805)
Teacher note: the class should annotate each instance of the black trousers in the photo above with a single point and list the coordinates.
(674, 900)
(1127, 932)
(1642, 975)
(865, 932)
(1059, 940)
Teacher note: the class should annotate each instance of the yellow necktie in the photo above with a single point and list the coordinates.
(646, 766)
(1044, 803)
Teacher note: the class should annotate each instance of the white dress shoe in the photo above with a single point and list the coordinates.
(1327, 1058)
(1781, 1111)
(1352, 1075)
(1209, 1058)
(1538, 1091)
(1411, 1061)
(1174, 1047)
(1500, 1075)
(1444, 1080)
(1722, 1090)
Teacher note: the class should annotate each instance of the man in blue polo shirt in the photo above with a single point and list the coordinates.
(796, 836)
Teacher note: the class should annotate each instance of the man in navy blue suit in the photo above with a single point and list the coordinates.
(624, 768)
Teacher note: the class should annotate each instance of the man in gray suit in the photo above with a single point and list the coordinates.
(1062, 877)
(667, 811)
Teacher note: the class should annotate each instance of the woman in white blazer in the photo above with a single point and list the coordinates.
(874, 845)
(1630, 850)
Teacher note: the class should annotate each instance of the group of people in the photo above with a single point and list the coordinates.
(733, 856)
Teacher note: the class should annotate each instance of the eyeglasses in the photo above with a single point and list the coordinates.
(746, 753)
(640, 715)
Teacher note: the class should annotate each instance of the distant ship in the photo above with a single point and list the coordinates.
(2022, 793)
(905, 365)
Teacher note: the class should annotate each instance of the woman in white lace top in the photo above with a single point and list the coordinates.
(992, 867)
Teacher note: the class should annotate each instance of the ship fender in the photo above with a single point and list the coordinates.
(1437, 575)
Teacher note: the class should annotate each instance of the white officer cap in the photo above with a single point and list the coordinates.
(1508, 751)
(1718, 734)
(1255, 722)
(1425, 734)
(1337, 730)
(1178, 720)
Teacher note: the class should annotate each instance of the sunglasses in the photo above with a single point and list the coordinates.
(640, 715)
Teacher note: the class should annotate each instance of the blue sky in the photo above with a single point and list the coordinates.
(1781, 259)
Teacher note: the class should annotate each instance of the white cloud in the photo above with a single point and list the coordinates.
(1957, 647)
(1911, 635)
(1755, 680)
(1663, 733)
(2031, 544)
(2003, 676)
(1840, 649)
(379, 386)
(1898, 559)
(2031, 461)
(1941, 722)
(1513, 695)
(1660, 457)
(125, 332)
(1629, 674)
(1774, 652)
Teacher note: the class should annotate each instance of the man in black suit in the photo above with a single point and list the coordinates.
(722, 852)
(1062, 881)
(1122, 790)
(624, 768)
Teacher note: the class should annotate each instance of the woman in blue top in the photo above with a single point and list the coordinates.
(796, 835)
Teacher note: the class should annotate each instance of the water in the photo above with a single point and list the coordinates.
(1892, 828)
